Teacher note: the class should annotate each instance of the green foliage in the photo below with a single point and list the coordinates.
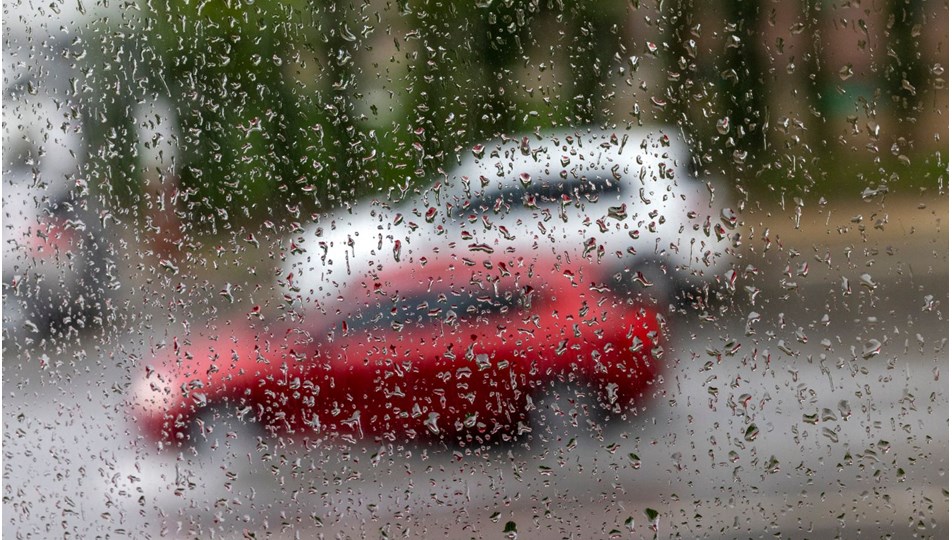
(288, 108)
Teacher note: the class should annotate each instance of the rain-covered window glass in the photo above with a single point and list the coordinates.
(475, 269)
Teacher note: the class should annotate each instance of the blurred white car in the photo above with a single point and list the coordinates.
(55, 262)
(625, 198)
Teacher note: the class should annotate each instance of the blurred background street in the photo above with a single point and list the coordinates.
(164, 161)
(847, 444)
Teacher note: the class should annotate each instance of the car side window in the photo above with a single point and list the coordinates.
(420, 310)
(545, 192)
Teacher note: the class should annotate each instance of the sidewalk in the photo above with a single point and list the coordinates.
(898, 220)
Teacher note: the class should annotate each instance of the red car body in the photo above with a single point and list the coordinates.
(450, 347)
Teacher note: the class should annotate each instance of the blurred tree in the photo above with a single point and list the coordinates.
(256, 128)
(684, 78)
(463, 85)
(341, 132)
(743, 77)
(817, 80)
(275, 119)
(595, 42)
(906, 74)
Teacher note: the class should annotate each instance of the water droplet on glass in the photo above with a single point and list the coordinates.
(724, 125)
(844, 407)
(872, 348)
(845, 286)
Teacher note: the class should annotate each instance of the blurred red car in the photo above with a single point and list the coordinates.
(451, 347)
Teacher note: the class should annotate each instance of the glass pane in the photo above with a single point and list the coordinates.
(543, 269)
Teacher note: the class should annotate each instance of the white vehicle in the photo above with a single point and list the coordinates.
(56, 272)
(54, 263)
(623, 198)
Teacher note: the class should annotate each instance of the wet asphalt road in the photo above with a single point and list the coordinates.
(784, 423)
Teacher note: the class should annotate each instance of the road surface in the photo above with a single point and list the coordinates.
(802, 406)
